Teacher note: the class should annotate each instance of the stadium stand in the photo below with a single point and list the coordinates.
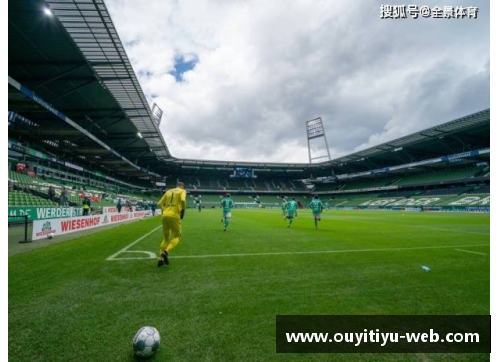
(171, 182)
(446, 191)
(385, 200)
(298, 186)
(237, 184)
(414, 178)
(270, 199)
(76, 187)
(325, 187)
(405, 193)
(21, 198)
(260, 185)
(482, 189)
(209, 183)
(439, 176)
(469, 200)
(278, 184)
(365, 184)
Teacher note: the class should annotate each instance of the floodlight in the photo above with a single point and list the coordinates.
(315, 129)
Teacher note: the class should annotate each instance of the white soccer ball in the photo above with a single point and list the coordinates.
(146, 341)
(51, 235)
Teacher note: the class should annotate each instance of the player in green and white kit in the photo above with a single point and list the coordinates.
(227, 204)
(284, 207)
(316, 206)
(291, 208)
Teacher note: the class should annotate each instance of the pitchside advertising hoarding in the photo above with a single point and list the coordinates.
(60, 226)
(41, 213)
(113, 209)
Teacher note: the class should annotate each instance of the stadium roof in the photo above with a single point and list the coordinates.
(460, 135)
(75, 63)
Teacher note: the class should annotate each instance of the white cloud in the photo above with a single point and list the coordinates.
(265, 67)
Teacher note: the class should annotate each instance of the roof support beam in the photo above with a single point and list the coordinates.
(115, 121)
(41, 63)
(63, 75)
(123, 146)
(76, 89)
(466, 146)
(94, 124)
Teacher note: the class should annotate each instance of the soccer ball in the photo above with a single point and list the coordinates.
(146, 341)
(51, 235)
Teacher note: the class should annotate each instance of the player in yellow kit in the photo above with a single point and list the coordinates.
(172, 206)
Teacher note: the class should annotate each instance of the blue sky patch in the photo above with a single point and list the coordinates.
(182, 66)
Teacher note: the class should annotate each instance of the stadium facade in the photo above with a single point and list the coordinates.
(80, 124)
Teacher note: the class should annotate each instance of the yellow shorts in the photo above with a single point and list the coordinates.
(171, 227)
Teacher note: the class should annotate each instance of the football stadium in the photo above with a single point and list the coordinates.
(404, 226)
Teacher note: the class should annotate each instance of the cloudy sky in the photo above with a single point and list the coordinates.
(237, 79)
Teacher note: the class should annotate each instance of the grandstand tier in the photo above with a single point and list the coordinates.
(465, 199)
(20, 198)
(29, 188)
(440, 176)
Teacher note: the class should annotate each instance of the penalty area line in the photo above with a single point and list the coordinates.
(320, 252)
(125, 249)
(472, 252)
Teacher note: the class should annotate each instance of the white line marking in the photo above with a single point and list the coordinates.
(449, 230)
(150, 254)
(472, 252)
(153, 257)
(113, 257)
(309, 252)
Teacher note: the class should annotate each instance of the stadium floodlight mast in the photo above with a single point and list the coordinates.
(157, 114)
(315, 129)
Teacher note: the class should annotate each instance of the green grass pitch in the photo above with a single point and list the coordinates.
(218, 299)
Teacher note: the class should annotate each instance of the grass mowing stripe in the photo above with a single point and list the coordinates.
(423, 227)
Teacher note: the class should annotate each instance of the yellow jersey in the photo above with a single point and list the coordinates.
(173, 202)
